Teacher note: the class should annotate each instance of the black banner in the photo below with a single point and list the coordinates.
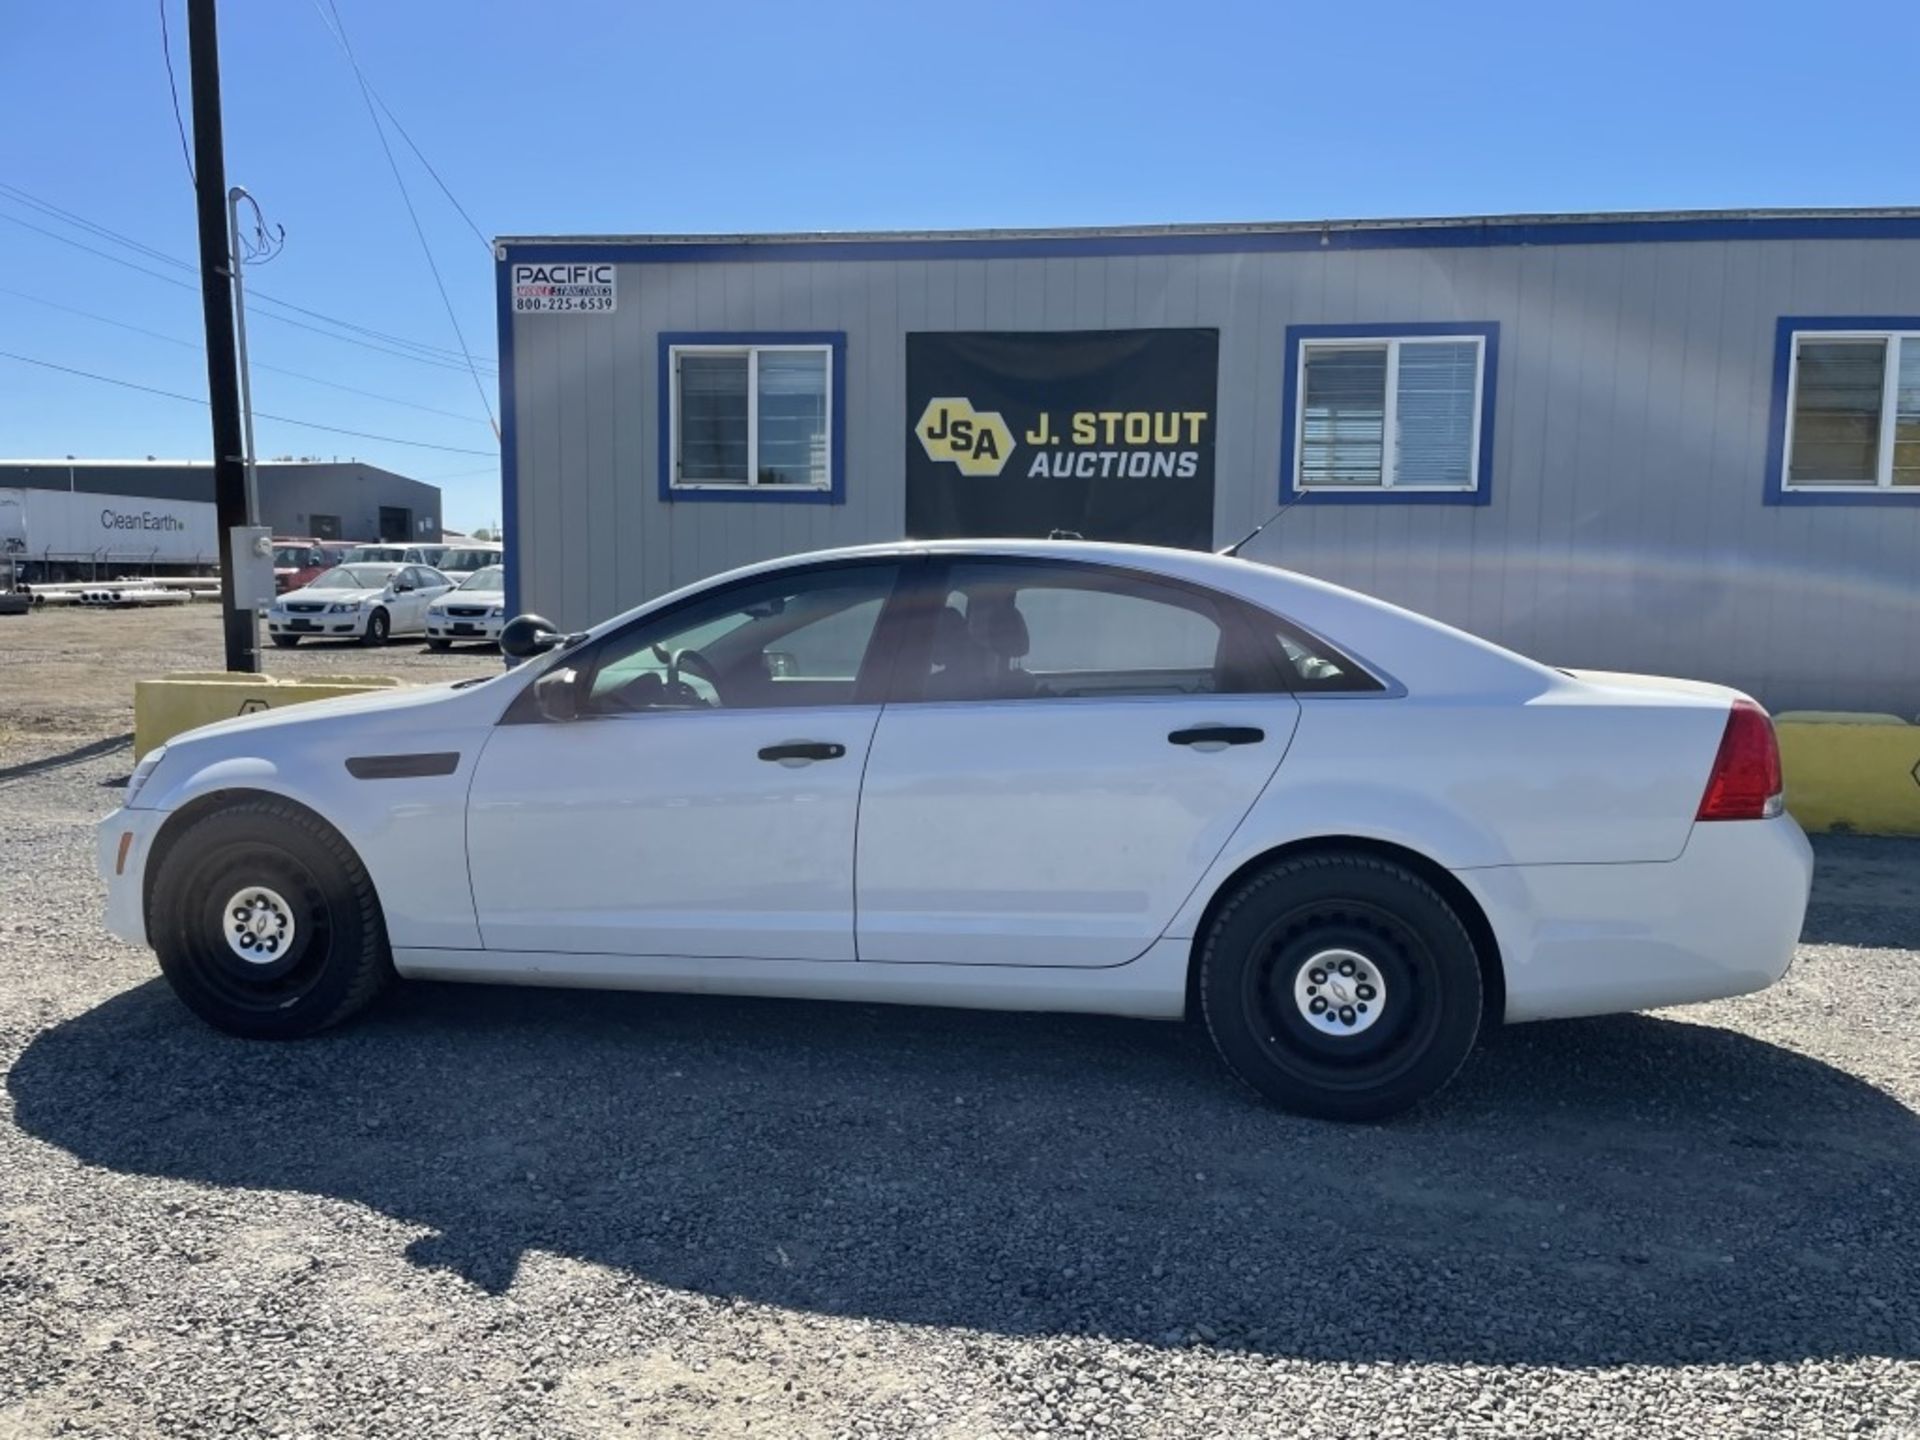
(1104, 433)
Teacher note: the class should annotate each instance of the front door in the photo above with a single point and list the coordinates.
(1076, 749)
(704, 801)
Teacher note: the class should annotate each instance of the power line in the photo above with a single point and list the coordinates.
(258, 414)
(373, 114)
(339, 34)
(46, 208)
(198, 346)
(173, 90)
(449, 364)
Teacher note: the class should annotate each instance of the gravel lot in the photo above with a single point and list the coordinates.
(490, 1212)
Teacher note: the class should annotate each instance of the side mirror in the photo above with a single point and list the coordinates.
(525, 636)
(558, 696)
(401, 587)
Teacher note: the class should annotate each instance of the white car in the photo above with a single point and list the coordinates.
(381, 555)
(1019, 775)
(457, 562)
(368, 603)
(475, 609)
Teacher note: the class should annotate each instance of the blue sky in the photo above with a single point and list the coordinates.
(576, 116)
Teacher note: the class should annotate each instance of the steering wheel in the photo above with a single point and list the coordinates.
(678, 694)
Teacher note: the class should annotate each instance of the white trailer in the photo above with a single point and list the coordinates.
(53, 534)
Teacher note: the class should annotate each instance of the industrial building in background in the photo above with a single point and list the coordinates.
(1680, 443)
(92, 519)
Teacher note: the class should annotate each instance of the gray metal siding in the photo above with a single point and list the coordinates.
(1627, 527)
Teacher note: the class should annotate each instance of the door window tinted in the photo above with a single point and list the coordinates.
(793, 640)
(1008, 631)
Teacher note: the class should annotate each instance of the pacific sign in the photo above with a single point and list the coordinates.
(575, 289)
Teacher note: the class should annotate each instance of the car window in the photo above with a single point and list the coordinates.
(427, 575)
(494, 577)
(1011, 631)
(792, 640)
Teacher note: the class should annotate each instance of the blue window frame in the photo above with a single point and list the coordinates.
(753, 415)
(1845, 422)
(1389, 414)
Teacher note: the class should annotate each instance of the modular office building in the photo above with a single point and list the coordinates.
(1681, 443)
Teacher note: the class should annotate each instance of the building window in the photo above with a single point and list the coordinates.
(1853, 412)
(751, 416)
(1396, 412)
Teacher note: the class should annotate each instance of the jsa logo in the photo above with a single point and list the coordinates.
(979, 442)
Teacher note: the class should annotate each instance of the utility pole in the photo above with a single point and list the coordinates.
(216, 296)
(238, 261)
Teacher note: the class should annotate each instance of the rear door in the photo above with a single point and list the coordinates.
(1067, 749)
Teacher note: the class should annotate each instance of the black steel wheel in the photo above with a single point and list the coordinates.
(266, 924)
(1341, 985)
(379, 626)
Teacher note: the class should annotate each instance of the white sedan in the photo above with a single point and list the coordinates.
(475, 609)
(1019, 775)
(368, 602)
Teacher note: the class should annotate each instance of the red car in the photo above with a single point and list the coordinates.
(296, 562)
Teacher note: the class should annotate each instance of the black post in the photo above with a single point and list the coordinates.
(216, 295)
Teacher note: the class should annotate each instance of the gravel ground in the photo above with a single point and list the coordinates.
(491, 1212)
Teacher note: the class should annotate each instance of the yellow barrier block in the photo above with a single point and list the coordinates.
(175, 704)
(1859, 777)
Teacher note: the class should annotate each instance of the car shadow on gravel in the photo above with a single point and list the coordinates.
(1629, 1190)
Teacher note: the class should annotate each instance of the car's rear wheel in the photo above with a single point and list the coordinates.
(266, 924)
(1341, 986)
(378, 628)
(286, 642)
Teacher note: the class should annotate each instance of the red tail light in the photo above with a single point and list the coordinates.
(1745, 783)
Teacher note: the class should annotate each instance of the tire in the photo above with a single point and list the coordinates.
(335, 959)
(1392, 969)
(433, 644)
(286, 642)
(379, 626)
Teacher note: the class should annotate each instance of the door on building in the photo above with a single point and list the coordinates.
(396, 523)
(703, 802)
(324, 527)
(1067, 748)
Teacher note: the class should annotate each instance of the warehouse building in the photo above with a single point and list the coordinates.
(1680, 443)
(118, 516)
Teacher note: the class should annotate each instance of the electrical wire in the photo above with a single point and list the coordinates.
(448, 364)
(46, 208)
(426, 250)
(198, 348)
(340, 35)
(258, 414)
(173, 90)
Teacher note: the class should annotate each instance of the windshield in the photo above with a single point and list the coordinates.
(468, 559)
(374, 552)
(297, 556)
(494, 577)
(354, 577)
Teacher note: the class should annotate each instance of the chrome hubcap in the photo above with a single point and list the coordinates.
(258, 925)
(1340, 992)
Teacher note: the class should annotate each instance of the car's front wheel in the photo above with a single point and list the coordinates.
(286, 642)
(379, 626)
(1340, 985)
(266, 924)
(434, 642)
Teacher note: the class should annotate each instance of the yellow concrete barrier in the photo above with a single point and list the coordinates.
(175, 704)
(1851, 772)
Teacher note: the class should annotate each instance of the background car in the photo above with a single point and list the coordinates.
(457, 562)
(475, 609)
(366, 602)
(1082, 777)
(296, 561)
(373, 553)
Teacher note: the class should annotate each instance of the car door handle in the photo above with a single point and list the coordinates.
(801, 752)
(1217, 737)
